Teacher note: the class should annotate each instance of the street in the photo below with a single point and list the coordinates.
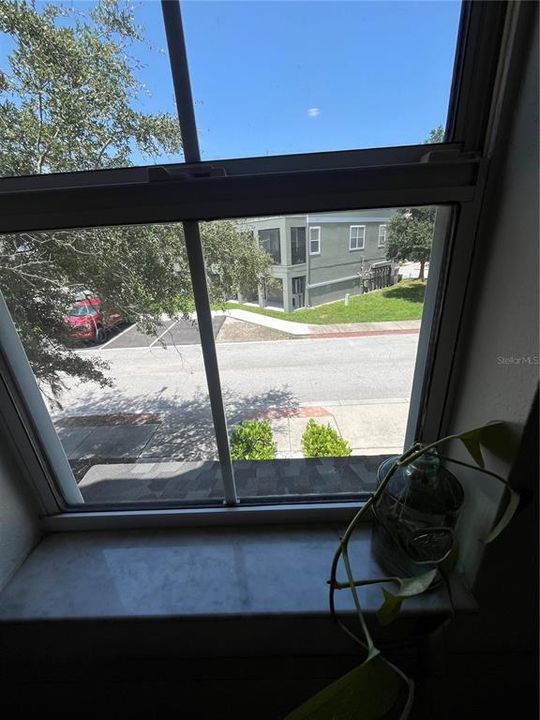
(361, 385)
(348, 370)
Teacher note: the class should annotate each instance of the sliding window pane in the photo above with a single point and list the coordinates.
(316, 359)
(106, 317)
(271, 78)
(84, 86)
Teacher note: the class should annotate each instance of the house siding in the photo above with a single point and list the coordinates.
(337, 269)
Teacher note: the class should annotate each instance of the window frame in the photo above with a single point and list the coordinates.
(383, 243)
(357, 247)
(449, 173)
(318, 240)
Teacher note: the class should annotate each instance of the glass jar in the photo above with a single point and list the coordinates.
(417, 514)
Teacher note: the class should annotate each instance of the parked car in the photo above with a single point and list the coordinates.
(88, 320)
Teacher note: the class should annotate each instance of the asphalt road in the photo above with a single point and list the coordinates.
(170, 332)
(300, 371)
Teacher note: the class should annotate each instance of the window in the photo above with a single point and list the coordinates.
(270, 241)
(381, 242)
(357, 237)
(298, 245)
(314, 240)
(162, 244)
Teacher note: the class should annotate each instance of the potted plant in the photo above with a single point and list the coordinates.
(377, 688)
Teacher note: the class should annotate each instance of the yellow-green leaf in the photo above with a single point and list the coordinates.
(500, 439)
(368, 692)
(471, 440)
(508, 514)
(390, 608)
(408, 587)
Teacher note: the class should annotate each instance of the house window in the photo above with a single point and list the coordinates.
(155, 246)
(298, 245)
(357, 237)
(270, 241)
(382, 236)
(314, 240)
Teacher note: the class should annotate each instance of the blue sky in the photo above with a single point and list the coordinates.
(284, 77)
(281, 77)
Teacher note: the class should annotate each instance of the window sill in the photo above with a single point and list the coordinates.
(203, 583)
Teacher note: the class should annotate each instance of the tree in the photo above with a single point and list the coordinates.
(409, 236)
(410, 231)
(436, 135)
(69, 99)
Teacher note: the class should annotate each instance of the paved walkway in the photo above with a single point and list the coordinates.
(334, 330)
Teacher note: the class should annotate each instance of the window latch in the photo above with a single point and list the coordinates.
(184, 172)
(450, 156)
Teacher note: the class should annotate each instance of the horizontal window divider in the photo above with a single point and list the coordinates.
(242, 196)
(278, 513)
(231, 167)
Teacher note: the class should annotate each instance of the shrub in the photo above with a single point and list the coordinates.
(253, 440)
(323, 441)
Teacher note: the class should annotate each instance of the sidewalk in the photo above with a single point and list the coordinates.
(335, 330)
(371, 428)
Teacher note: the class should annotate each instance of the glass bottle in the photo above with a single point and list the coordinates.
(417, 514)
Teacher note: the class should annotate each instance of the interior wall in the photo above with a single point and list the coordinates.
(19, 530)
(496, 378)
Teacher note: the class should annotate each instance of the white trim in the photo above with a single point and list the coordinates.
(357, 239)
(318, 241)
(383, 243)
(24, 377)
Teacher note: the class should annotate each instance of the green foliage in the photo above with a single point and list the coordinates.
(408, 587)
(253, 440)
(323, 441)
(436, 135)
(410, 235)
(403, 301)
(69, 99)
(371, 691)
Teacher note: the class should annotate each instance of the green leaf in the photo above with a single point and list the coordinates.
(368, 692)
(500, 439)
(390, 608)
(471, 440)
(408, 587)
(508, 514)
(416, 585)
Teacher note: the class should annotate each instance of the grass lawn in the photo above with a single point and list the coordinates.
(403, 301)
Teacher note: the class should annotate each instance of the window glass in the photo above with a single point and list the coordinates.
(357, 237)
(121, 371)
(316, 365)
(314, 240)
(298, 245)
(272, 78)
(83, 86)
(269, 240)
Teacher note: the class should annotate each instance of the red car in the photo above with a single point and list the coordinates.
(87, 319)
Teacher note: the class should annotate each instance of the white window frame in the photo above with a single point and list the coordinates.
(382, 243)
(313, 240)
(359, 236)
(486, 67)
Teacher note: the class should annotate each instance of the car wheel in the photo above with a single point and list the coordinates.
(100, 336)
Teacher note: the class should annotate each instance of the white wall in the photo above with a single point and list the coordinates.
(18, 517)
(502, 311)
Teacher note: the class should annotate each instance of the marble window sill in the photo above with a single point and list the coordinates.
(206, 578)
